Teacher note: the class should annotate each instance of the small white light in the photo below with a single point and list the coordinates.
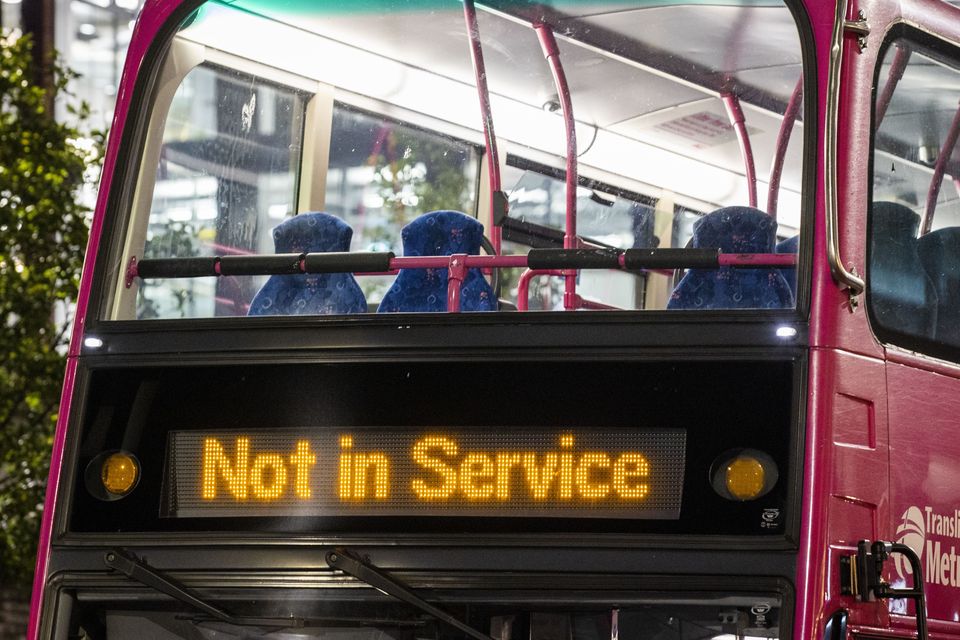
(786, 332)
(92, 342)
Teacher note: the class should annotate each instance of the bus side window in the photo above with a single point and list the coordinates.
(227, 174)
(901, 292)
(940, 254)
(913, 261)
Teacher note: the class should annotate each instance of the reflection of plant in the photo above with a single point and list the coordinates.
(43, 232)
(177, 239)
(415, 173)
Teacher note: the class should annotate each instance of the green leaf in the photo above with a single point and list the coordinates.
(43, 233)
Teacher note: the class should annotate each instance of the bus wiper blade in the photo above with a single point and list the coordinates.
(366, 572)
(136, 569)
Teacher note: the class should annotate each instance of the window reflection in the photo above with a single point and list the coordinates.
(383, 173)
(227, 175)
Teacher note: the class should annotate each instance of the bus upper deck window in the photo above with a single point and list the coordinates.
(334, 109)
(913, 268)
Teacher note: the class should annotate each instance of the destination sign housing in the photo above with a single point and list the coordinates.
(475, 472)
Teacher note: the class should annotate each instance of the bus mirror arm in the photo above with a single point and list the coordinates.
(136, 569)
(367, 573)
(861, 576)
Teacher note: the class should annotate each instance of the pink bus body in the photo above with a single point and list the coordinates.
(880, 455)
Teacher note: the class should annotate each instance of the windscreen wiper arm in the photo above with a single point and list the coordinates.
(136, 569)
(376, 578)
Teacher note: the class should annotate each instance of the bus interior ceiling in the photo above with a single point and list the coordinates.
(645, 82)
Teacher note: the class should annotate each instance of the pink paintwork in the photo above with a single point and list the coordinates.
(864, 416)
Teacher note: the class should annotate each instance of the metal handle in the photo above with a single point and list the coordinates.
(847, 279)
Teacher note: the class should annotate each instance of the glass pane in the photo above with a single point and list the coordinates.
(552, 616)
(227, 174)
(914, 252)
(393, 135)
(384, 173)
(606, 217)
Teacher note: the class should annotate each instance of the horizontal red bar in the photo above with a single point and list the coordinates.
(757, 259)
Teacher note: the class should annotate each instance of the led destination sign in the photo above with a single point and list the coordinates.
(406, 472)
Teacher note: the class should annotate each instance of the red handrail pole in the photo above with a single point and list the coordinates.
(738, 122)
(946, 152)
(456, 272)
(757, 260)
(490, 139)
(899, 64)
(551, 51)
(783, 141)
(523, 286)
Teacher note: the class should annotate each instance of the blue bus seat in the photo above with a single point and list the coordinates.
(439, 233)
(902, 298)
(789, 245)
(310, 293)
(733, 230)
(940, 255)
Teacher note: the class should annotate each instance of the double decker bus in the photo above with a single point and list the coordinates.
(518, 320)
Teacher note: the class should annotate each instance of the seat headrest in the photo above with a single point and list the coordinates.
(312, 233)
(790, 245)
(310, 293)
(736, 230)
(894, 220)
(442, 233)
(940, 250)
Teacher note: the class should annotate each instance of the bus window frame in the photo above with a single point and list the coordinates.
(518, 161)
(548, 591)
(121, 196)
(186, 56)
(320, 104)
(371, 108)
(949, 54)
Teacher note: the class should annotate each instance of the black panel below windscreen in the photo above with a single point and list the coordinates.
(718, 405)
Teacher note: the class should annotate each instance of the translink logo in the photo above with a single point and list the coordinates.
(930, 534)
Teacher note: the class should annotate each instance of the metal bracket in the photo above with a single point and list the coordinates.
(860, 28)
(861, 576)
(853, 294)
(131, 273)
